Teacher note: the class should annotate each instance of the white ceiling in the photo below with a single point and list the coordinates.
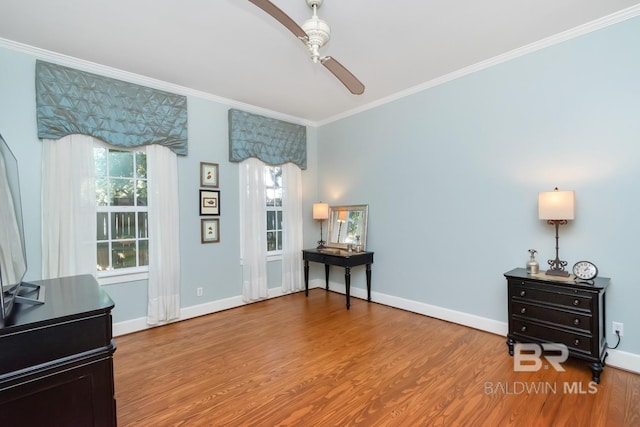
(234, 50)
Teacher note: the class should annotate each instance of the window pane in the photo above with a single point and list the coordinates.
(271, 220)
(121, 163)
(103, 226)
(271, 241)
(103, 256)
(122, 192)
(141, 165)
(100, 159)
(124, 254)
(141, 193)
(143, 232)
(278, 197)
(102, 192)
(279, 225)
(268, 176)
(270, 196)
(279, 240)
(123, 225)
(143, 252)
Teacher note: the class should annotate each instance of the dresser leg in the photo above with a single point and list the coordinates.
(596, 370)
(510, 344)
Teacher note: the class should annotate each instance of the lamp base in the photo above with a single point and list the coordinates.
(557, 273)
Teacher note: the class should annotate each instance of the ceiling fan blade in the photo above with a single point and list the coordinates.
(354, 85)
(281, 17)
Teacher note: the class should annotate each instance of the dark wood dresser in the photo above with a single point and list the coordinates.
(56, 359)
(544, 309)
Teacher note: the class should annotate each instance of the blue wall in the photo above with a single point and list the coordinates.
(451, 176)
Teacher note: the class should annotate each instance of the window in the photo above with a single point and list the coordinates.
(273, 195)
(121, 204)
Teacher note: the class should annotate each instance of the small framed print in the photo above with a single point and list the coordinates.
(210, 230)
(209, 202)
(208, 175)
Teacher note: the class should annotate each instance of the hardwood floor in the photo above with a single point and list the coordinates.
(308, 361)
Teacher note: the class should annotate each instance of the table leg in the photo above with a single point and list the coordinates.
(347, 282)
(369, 282)
(306, 278)
(326, 276)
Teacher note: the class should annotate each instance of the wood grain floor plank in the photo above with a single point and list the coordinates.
(308, 361)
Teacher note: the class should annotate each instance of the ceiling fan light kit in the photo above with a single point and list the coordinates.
(314, 33)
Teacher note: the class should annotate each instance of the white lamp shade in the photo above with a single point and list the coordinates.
(556, 205)
(320, 211)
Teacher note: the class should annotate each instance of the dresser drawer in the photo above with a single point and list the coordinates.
(528, 330)
(565, 318)
(553, 295)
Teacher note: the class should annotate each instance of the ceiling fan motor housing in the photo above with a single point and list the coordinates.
(319, 33)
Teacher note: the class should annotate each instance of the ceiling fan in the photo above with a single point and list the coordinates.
(314, 33)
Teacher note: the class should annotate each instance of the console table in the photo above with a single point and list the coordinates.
(56, 363)
(340, 258)
(547, 309)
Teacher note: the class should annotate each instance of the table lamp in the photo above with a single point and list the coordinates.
(556, 207)
(320, 213)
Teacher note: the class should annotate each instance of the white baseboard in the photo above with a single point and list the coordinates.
(617, 359)
(140, 324)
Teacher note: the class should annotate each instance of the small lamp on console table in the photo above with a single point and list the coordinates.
(556, 207)
(320, 213)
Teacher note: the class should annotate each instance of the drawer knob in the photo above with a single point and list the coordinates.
(523, 310)
(576, 342)
(576, 302)
(523, 329)
(576, 322)
(522, 293)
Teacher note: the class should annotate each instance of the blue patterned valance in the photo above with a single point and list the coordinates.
(273, 141)
(70, 101)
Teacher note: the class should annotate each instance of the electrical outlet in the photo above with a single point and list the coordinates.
(618, 327)
(199, 292)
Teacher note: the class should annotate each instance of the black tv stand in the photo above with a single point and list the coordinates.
(56, 363)
(28, 289)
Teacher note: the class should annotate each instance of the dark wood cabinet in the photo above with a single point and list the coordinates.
(56, 359)
(544, 309)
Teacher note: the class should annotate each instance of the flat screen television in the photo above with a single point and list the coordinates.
(13, 259)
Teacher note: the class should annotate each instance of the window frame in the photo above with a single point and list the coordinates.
(127, 274)
(276, 254)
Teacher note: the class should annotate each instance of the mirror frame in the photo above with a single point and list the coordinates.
(333, 215)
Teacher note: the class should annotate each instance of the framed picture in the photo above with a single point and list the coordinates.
(209, 202)
(208, 175)
(210, 230)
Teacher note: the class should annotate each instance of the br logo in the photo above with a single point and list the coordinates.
(527, 357)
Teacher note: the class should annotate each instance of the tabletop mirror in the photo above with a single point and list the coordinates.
(347, 226)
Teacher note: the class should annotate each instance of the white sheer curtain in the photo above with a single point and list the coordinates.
(164, 248)
(68, 207)
(253, 239)
(292, 233)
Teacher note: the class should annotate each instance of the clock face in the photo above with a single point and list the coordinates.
(585, 270)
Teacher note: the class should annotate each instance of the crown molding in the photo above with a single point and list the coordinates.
(581, 30)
